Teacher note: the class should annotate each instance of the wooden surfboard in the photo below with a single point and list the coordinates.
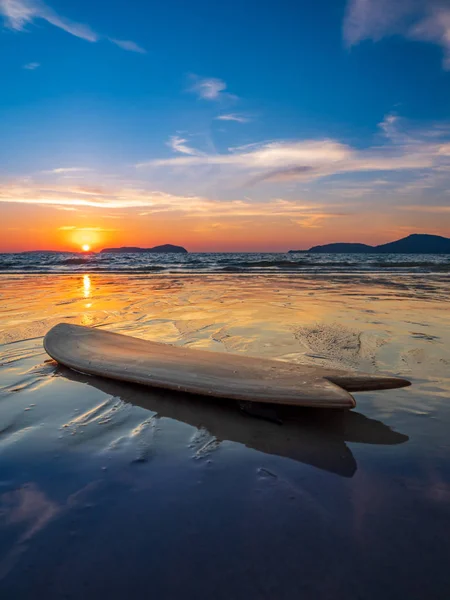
(211, 374)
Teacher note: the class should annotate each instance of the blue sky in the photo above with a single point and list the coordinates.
(333, 107)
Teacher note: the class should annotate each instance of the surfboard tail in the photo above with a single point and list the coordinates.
(365, 382)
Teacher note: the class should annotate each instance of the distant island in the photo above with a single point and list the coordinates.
(156, 249)
(416, 243)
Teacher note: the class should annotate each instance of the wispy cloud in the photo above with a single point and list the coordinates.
(263, 156)
(233, 117)
(31, 66)
(75, 227)
(128, 45)
(426, 208)
(308, 160)
(422, 20)
(63, 170)
(435, 28)
(209, 88)
(20, 13)
(161, 203)
(178, 144)
(407, 164)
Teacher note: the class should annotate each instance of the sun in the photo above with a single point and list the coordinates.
(85, 247)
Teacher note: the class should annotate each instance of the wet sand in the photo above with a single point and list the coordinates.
(115, 490)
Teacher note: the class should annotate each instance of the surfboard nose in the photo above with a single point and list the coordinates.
(365, 382)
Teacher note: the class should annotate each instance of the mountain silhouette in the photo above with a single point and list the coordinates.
(156, 249)
(416, 243)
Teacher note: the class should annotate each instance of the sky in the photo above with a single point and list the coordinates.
(237, 126)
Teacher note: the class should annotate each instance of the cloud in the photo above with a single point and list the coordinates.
(178, 144)
(154, 203)
(62, 170)
(435, 28)
(426, 208)
(284, 174)
(31, 66)
(404, 148)
(209, 88)
(20, 13)
(268, 155)
(421, 20)
(233, 117)
(128, 45)
(407, 163)
(75, 228)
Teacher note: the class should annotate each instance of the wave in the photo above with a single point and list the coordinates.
(231, 269)
(6, 265)
(280, 264)
(266, 263)
(219, 263)
(75, 261)
(408, 264)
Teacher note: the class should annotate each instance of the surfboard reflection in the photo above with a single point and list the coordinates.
(312, 436)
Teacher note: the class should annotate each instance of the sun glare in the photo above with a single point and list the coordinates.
(85, 247)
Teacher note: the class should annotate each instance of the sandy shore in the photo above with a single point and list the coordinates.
(114, 490)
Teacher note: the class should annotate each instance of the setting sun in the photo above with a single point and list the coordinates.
(85, 247)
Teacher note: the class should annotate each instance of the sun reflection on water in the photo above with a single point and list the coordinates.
(86, 286)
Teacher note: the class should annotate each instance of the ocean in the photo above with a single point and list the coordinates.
(56, 262)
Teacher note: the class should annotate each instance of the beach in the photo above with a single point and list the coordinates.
(109, 489)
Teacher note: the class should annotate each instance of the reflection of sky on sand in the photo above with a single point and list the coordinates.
(104, 485)
(28, 509)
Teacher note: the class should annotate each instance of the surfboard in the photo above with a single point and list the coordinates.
(213, 374)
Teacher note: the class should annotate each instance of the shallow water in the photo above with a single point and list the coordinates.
(110, 489)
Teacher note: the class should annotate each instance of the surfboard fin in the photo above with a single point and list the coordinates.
(365, 382)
